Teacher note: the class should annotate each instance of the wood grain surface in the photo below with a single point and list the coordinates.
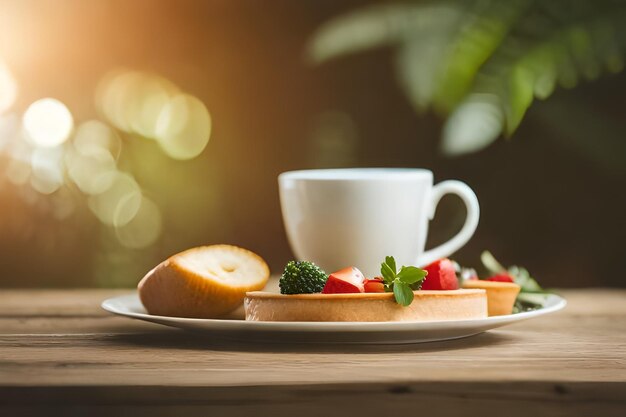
(60, 354)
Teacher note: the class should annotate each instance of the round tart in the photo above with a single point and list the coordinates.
(500, 295)
(370, 307)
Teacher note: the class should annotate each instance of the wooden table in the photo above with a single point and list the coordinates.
(60, 354)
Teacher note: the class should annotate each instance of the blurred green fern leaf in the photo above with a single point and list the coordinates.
(481, 63)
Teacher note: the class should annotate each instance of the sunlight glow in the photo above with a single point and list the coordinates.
(144, 229)
(151, 95)
(133, 100)
(153, 107)
(94, 137)
(184, 127)
(47, 169)
(92, 173)
(48, 122)
(18, 172)
(8, 88)
(119, 204)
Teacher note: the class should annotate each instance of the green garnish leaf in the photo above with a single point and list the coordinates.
(531, 295)
(401, 283)
(490, 262)
(533, 298)
(387, 272)
(402, 293)
(411, 274)
(522, 278)
(391, 262)
(520, 275)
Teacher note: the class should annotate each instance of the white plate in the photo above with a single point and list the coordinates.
(328, 332)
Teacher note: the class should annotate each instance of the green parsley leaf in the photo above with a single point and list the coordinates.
(523, 279)
(490, 262)
(402, 293)
(411, 274)
(388, 274)
(401, 283)
(389, 260)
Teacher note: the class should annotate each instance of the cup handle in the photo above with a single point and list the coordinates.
(471, 221)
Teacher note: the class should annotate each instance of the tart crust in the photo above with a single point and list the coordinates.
(368, 307)
(500, 295)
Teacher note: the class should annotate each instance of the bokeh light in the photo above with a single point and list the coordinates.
(63, 203)
(94, 137)
(47, 169)
(119, 203)
(112, 94)
(127, 208)
(151, 94)
(153, 107)
(133, 100)
(144, 229)
(50, 162)
(19, 154)
(92, 173)
(10, 125)
(18, 172)
(48, 122)
(184, 127)
(47, 159)
(91, 160)
(8, 88)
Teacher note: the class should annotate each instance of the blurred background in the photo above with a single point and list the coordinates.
(131, 130)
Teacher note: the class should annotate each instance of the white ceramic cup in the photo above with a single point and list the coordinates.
(355, 217)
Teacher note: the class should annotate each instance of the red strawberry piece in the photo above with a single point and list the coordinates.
(441, 276)
(347, 280)
(374, 285)
(500, 278)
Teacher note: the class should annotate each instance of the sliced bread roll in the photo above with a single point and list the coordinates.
(203, 282)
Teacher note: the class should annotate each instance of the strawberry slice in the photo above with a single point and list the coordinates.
(347, 280)
(374, 285)
(500, 278)
(441, 276)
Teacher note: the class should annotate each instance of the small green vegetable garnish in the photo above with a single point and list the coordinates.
(401, 283)
(302, 277)
(531, 296)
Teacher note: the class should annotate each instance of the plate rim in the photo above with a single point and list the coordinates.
(558, 303)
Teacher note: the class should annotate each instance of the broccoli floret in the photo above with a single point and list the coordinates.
(301, 277)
